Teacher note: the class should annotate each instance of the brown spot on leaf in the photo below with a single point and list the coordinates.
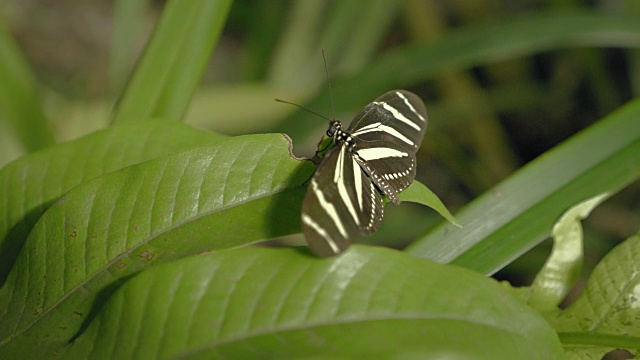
(122, 266)
(74, 233)
(147, 255)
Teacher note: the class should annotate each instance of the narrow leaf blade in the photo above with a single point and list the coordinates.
(20, 106)
(171, 68)
(519, 213)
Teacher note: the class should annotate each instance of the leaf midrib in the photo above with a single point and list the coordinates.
(339, 322)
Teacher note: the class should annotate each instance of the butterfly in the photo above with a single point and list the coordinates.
(375, 156)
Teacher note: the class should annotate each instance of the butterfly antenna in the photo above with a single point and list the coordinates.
(303, 108)
(326, 70)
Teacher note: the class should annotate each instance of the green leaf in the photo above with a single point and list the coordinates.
(233, 117)
(606, 316)
(284, 303)
(230, 194)
(20, 105)
(519, 212)
(296, 45)
(30, 184)
(127, 23)
(418, 193)
(314, 26)
(174, 60)
(352, 43)
(562, 269)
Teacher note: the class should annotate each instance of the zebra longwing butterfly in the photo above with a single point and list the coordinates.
(376, 155)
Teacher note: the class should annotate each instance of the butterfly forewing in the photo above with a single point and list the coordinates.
(340, 204)
(387, 133)
(376, 154)
(399, 117)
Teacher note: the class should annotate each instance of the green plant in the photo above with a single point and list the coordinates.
(131, 241)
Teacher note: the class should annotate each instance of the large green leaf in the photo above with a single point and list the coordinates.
(284, 303)
(606, 316)
(239, 191)
(174, 60)
(520, 212)
(30, 184)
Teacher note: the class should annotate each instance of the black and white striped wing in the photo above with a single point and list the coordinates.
(387, 134)
(340, 204)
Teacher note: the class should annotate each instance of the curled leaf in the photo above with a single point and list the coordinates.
(562, 269)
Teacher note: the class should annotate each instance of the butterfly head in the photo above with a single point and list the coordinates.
(335, 128)
(340, 136)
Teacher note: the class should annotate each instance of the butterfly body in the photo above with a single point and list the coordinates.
(375, 156)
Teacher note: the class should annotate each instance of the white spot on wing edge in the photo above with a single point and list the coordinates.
(372, 215)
